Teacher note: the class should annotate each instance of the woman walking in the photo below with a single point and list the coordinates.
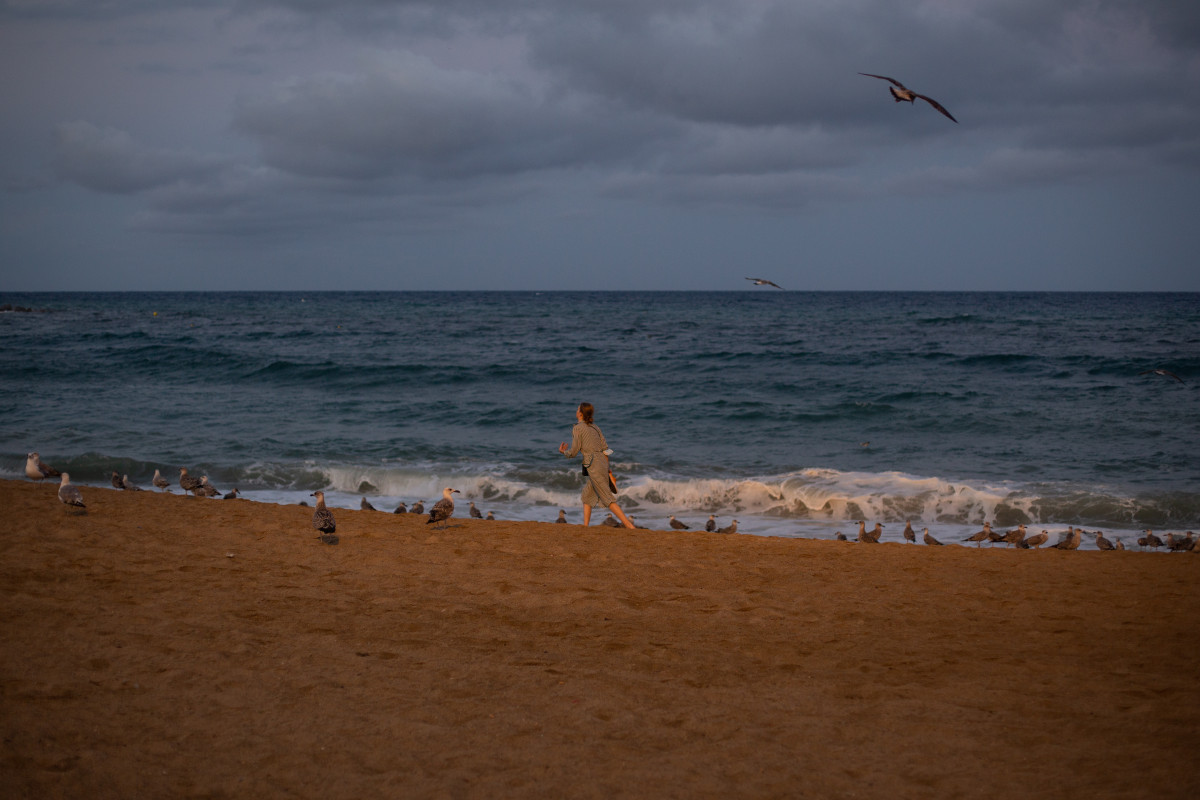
(587, 438)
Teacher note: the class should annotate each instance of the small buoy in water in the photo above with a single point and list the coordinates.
(156, 313)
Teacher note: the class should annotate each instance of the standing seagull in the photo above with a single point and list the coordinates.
(764, 282)
(901, 93)
(36, 470)
(982, 536)
(677, 525)
(365, 505)
(475, 512)
(930, 540)
(711, 525)
(129, 485)
(116, 480)
(909, 534)
(1014, 537)
(187, 482)
(160, 481)
(443, 509)
(68, 494)
(562, 516)
(1103, 543)
(401, 509)
(1035, 541)
(323, 521)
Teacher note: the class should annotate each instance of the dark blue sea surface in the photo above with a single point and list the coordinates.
(797, 413)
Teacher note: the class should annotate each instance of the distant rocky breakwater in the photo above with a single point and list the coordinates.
(22, 309)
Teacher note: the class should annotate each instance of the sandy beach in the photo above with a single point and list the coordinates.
(168, 646)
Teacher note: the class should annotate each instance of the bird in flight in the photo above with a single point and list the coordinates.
(1166, 373)
(764, 282)
(902, 92)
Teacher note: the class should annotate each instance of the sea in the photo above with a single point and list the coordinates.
(795, 413)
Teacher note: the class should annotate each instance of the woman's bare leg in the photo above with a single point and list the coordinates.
(616, 509)
(587, 515)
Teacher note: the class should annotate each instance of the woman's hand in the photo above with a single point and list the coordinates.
(562, 447)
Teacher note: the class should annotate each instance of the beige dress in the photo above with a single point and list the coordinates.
(586, 438)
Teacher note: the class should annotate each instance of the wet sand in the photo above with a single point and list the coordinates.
(168, 646)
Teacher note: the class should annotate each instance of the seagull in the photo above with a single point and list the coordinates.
(562, 516)
(68, 494)
(234, 494)
(841, 537)
(322, 520)
(711, 525)
(187, 482)
(443, 509)
(1035, 541)
(869, 537)
(677, 525)
(611, 522)
(160, 481)
(129, 485)
(731, 528)
(979, 537)
(207, 489)
(1166, 373)
(1071, 542)
(417, 508)
(764, 282)
(1014, 536)
(365, 505)
(930, 540)
(401, 509)
(475, 512)
(909, 534)
(36, 470)
(902, 93)
(116, 480)
(1102, 543)
(1152, 540)
(491, 516)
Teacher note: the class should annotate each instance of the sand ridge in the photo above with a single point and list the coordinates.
(161, 645)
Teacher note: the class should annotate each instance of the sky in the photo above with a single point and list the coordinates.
(598, 145)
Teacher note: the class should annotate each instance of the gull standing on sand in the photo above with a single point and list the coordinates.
(365, 505)
(869, 537)
(491, 516)
(474, 512)
(611, 522)
(909, 534)
(160, 481)
(234, 494)
(1152, 540)
(206, 488)
(129, 485)
(187, 482)
(930, 540)
(443, 509)
(1035, 541)
(323, 521)
(68, 494)
(901, 94)
(417, 508)
(1071, 542)
(115, 480)
(677, 525)
(979, 537)
(562, 516)
(731, 528)
(401, 509)
(36, 470)
(1014, 537)
(1102, 543)
(841, 537)
(764, 282)
(711, 525)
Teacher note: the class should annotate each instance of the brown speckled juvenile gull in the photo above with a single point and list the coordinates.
(677, 525)
(443, 509)
(979, 537)
(562, 516)
(731, 528)
(901, 93)
(188, 483)
(1035, 541)
(711, 525)
(909, 534)
(68, 494)
(160, 481)
(1103, 543)
(930, 540)
(365, 505)
(322, 518)
(129, 485)
(473, 511)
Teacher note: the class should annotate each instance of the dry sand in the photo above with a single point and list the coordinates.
(168, 646)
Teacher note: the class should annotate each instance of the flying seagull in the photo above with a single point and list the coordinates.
(1166, 373)
(764, 282)
(902, 93)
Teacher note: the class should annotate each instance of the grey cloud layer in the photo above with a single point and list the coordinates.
(687, 102)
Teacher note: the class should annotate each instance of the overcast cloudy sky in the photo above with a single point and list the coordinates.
(598, 144)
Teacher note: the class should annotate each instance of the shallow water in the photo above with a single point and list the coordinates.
(797, 413)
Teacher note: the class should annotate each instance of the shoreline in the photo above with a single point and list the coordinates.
(160, 645)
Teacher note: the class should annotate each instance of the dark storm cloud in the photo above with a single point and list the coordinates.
(108, 160)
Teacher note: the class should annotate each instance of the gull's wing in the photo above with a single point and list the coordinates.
(937, 105)
(1166, 373)
(898, 83)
